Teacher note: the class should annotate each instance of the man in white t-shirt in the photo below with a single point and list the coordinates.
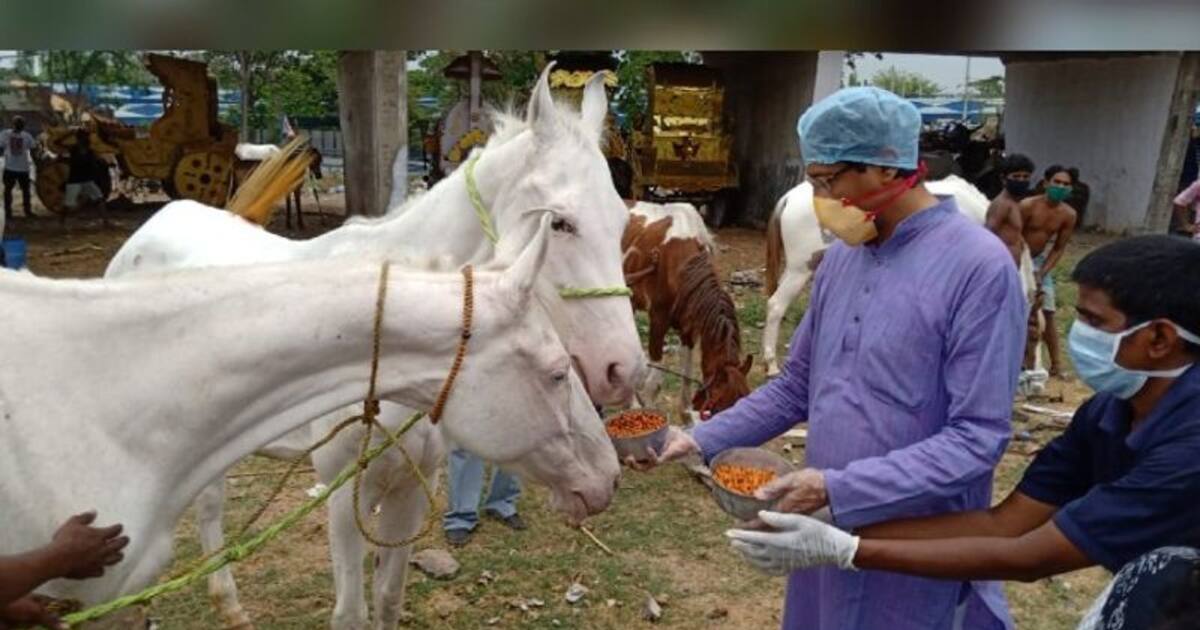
(17, 145)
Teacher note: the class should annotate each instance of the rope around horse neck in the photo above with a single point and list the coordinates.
(236, 552)
(489, 230)
(468, 312)
(485, 219)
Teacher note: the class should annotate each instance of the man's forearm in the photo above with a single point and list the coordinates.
(1016, 516)
(952, 525)
(1042, 552)
(951, 559)
(22, 573)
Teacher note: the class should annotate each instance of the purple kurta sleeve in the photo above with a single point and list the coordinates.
(985, 340)
(773, 408)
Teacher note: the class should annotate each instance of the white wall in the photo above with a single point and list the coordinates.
(1105, 116)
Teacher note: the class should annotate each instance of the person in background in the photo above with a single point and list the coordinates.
(1187, 211)
(1004, 213)
(83, 177)
(1048, 224)
(466, 486)
(77, 551)
(17, 144)
(1122, 480)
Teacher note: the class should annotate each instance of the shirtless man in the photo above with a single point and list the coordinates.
(1048, 224)
(1004, 215)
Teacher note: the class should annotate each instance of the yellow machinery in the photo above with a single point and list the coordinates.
(684, 147)
(187, 148)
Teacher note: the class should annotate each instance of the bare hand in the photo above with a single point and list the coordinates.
(27, 612)
(84, 552)
(678, 444)
(802, 491)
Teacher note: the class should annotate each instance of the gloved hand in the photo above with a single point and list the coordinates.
(800, 542)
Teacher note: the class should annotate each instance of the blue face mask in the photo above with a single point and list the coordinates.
(1094, 352)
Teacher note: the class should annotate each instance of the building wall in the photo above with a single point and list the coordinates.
(1104, 115)
(766, 92)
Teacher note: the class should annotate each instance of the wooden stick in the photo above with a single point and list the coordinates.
(596, 540)
(266, 472)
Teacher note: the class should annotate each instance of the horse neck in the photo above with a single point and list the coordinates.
(442, 222)
(706, 313)
(249, 359)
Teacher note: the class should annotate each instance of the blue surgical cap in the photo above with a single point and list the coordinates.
(861, 124)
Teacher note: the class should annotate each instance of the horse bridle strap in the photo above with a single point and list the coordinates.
(489, 230)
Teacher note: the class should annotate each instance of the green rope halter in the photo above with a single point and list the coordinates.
(489, 230)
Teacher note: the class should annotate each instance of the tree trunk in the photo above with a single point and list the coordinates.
(244, 67)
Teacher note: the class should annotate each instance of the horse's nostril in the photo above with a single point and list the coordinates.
(615, 378)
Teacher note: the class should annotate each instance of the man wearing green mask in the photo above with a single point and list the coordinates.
(1047, 225)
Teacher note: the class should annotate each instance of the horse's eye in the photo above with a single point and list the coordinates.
(560, 224)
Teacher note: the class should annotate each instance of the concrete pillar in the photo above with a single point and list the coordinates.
(1175, 139)
(372, 103)
(829, 73)
(765, 92)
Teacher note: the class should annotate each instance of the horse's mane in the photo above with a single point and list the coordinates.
(703, 306)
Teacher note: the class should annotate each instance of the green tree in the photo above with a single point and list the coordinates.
(250, 70)
(990, 87)
(632, 96)
(75, 69)
(905, 83)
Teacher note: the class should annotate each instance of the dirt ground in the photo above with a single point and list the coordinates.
(664, 529)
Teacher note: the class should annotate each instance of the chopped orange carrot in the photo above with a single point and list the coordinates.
(635, 423)
(741, 479)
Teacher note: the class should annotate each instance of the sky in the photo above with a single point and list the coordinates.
(945, 70)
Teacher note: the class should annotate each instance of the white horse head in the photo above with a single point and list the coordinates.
(519, 403)
(552, 161)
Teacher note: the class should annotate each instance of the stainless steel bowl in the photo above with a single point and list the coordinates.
(638, 446)
(740, 506)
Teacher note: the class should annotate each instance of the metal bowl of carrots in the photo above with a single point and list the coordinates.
(635, 431)
(738, 472)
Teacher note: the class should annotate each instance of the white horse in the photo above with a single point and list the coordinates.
(133, 395)
(551, 160)
(794, 238)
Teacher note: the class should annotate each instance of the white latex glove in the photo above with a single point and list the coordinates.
(800, 542)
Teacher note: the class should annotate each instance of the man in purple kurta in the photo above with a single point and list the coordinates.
(904, 367)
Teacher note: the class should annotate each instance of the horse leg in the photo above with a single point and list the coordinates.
(658, 336)
(299, 207)
(222, 590)
(404, 510)
(347, 548)
(685, 385)
(790, 287)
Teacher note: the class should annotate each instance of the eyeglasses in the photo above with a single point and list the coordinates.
(825, 182)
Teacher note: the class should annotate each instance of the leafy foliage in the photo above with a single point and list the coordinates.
(905, 83)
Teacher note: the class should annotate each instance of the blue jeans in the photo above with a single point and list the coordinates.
(466, 484)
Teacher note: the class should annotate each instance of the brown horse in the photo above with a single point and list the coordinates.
(668, 266)
(243, 168)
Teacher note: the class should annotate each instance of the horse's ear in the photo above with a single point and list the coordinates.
(542, 116)
(520, 277)
(595, 105)
(745, 368)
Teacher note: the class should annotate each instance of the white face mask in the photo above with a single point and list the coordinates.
(1094, 353)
